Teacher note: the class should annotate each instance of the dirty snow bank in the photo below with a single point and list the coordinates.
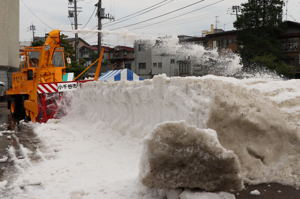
(177, 155)
(254, 126)
(94, 151)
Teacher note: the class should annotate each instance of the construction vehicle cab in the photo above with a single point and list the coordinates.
(41, 64)
(38, 86)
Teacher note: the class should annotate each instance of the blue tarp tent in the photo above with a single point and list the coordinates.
(120, 75)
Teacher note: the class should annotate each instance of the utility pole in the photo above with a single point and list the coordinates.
(73, 13)
(236, 10)
(76, 28)
(32, 28)
(101, 15)
(217, 21)
(287, 10)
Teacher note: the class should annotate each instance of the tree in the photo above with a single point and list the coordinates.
(259, 26)
(37, 43)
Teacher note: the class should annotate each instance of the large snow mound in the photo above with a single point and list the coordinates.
(180, 156)
(94, 152)
(254, 126)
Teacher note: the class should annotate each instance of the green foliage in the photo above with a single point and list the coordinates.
(75, 68)
(260, 25)
(69, 49)
(37, 43)
(260, 14)
(273, 63)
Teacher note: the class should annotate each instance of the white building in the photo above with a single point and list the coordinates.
(9, 39)
(153, 59)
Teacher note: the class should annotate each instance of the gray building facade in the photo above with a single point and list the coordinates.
(9, 39)
(153, 59)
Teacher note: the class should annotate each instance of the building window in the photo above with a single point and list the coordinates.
(214, 45)
(57, 59)
(154, 65)
(141, 47)
(291, 44)
(184, 68)
(142, 65)
(172, 61)
(159, 65)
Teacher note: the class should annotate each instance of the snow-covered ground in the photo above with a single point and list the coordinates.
(95, 151)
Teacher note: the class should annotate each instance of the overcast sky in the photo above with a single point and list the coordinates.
(53, 14)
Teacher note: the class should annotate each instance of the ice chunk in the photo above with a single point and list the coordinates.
(255, 192)
(3, 159)
(173, 194)
(181, 156)
(206, 195)
(3, 184)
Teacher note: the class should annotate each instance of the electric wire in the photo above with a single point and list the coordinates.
(31, 11)
(137, 12)
(71, 23)
(181, 15)
(162, 15)
(89, 20)
(140, 14)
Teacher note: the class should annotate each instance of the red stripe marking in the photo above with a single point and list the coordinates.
(40, 90)
(44, 87)
(55, 89)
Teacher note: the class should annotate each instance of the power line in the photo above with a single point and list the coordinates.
(137, 12)
(197, 2)
(89, 20)
(71, 23)
(161, 4)
(181, 15)
(31, 11)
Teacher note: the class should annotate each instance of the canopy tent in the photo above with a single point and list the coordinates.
(120, 75)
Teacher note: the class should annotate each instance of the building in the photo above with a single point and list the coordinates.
(122, 57)
(119, 57)
(227, 40)
(291, 46)
(143, 58)
(9, 39)
(85, 49)
(156, 58)
(222, 40)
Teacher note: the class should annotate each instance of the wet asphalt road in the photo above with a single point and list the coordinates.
(18, 134)
(14, 135)
(4, 142)
(3, 113)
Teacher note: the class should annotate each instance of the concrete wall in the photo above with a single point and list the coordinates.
(9, 38)
(143, 55)
(159, 60)
(161, 55)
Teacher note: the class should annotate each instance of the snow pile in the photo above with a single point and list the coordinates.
(180, 156)
(205, 195)
(202, 61)
(255, 192)
(94, 152)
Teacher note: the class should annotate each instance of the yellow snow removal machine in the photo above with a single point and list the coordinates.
(38, 86)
